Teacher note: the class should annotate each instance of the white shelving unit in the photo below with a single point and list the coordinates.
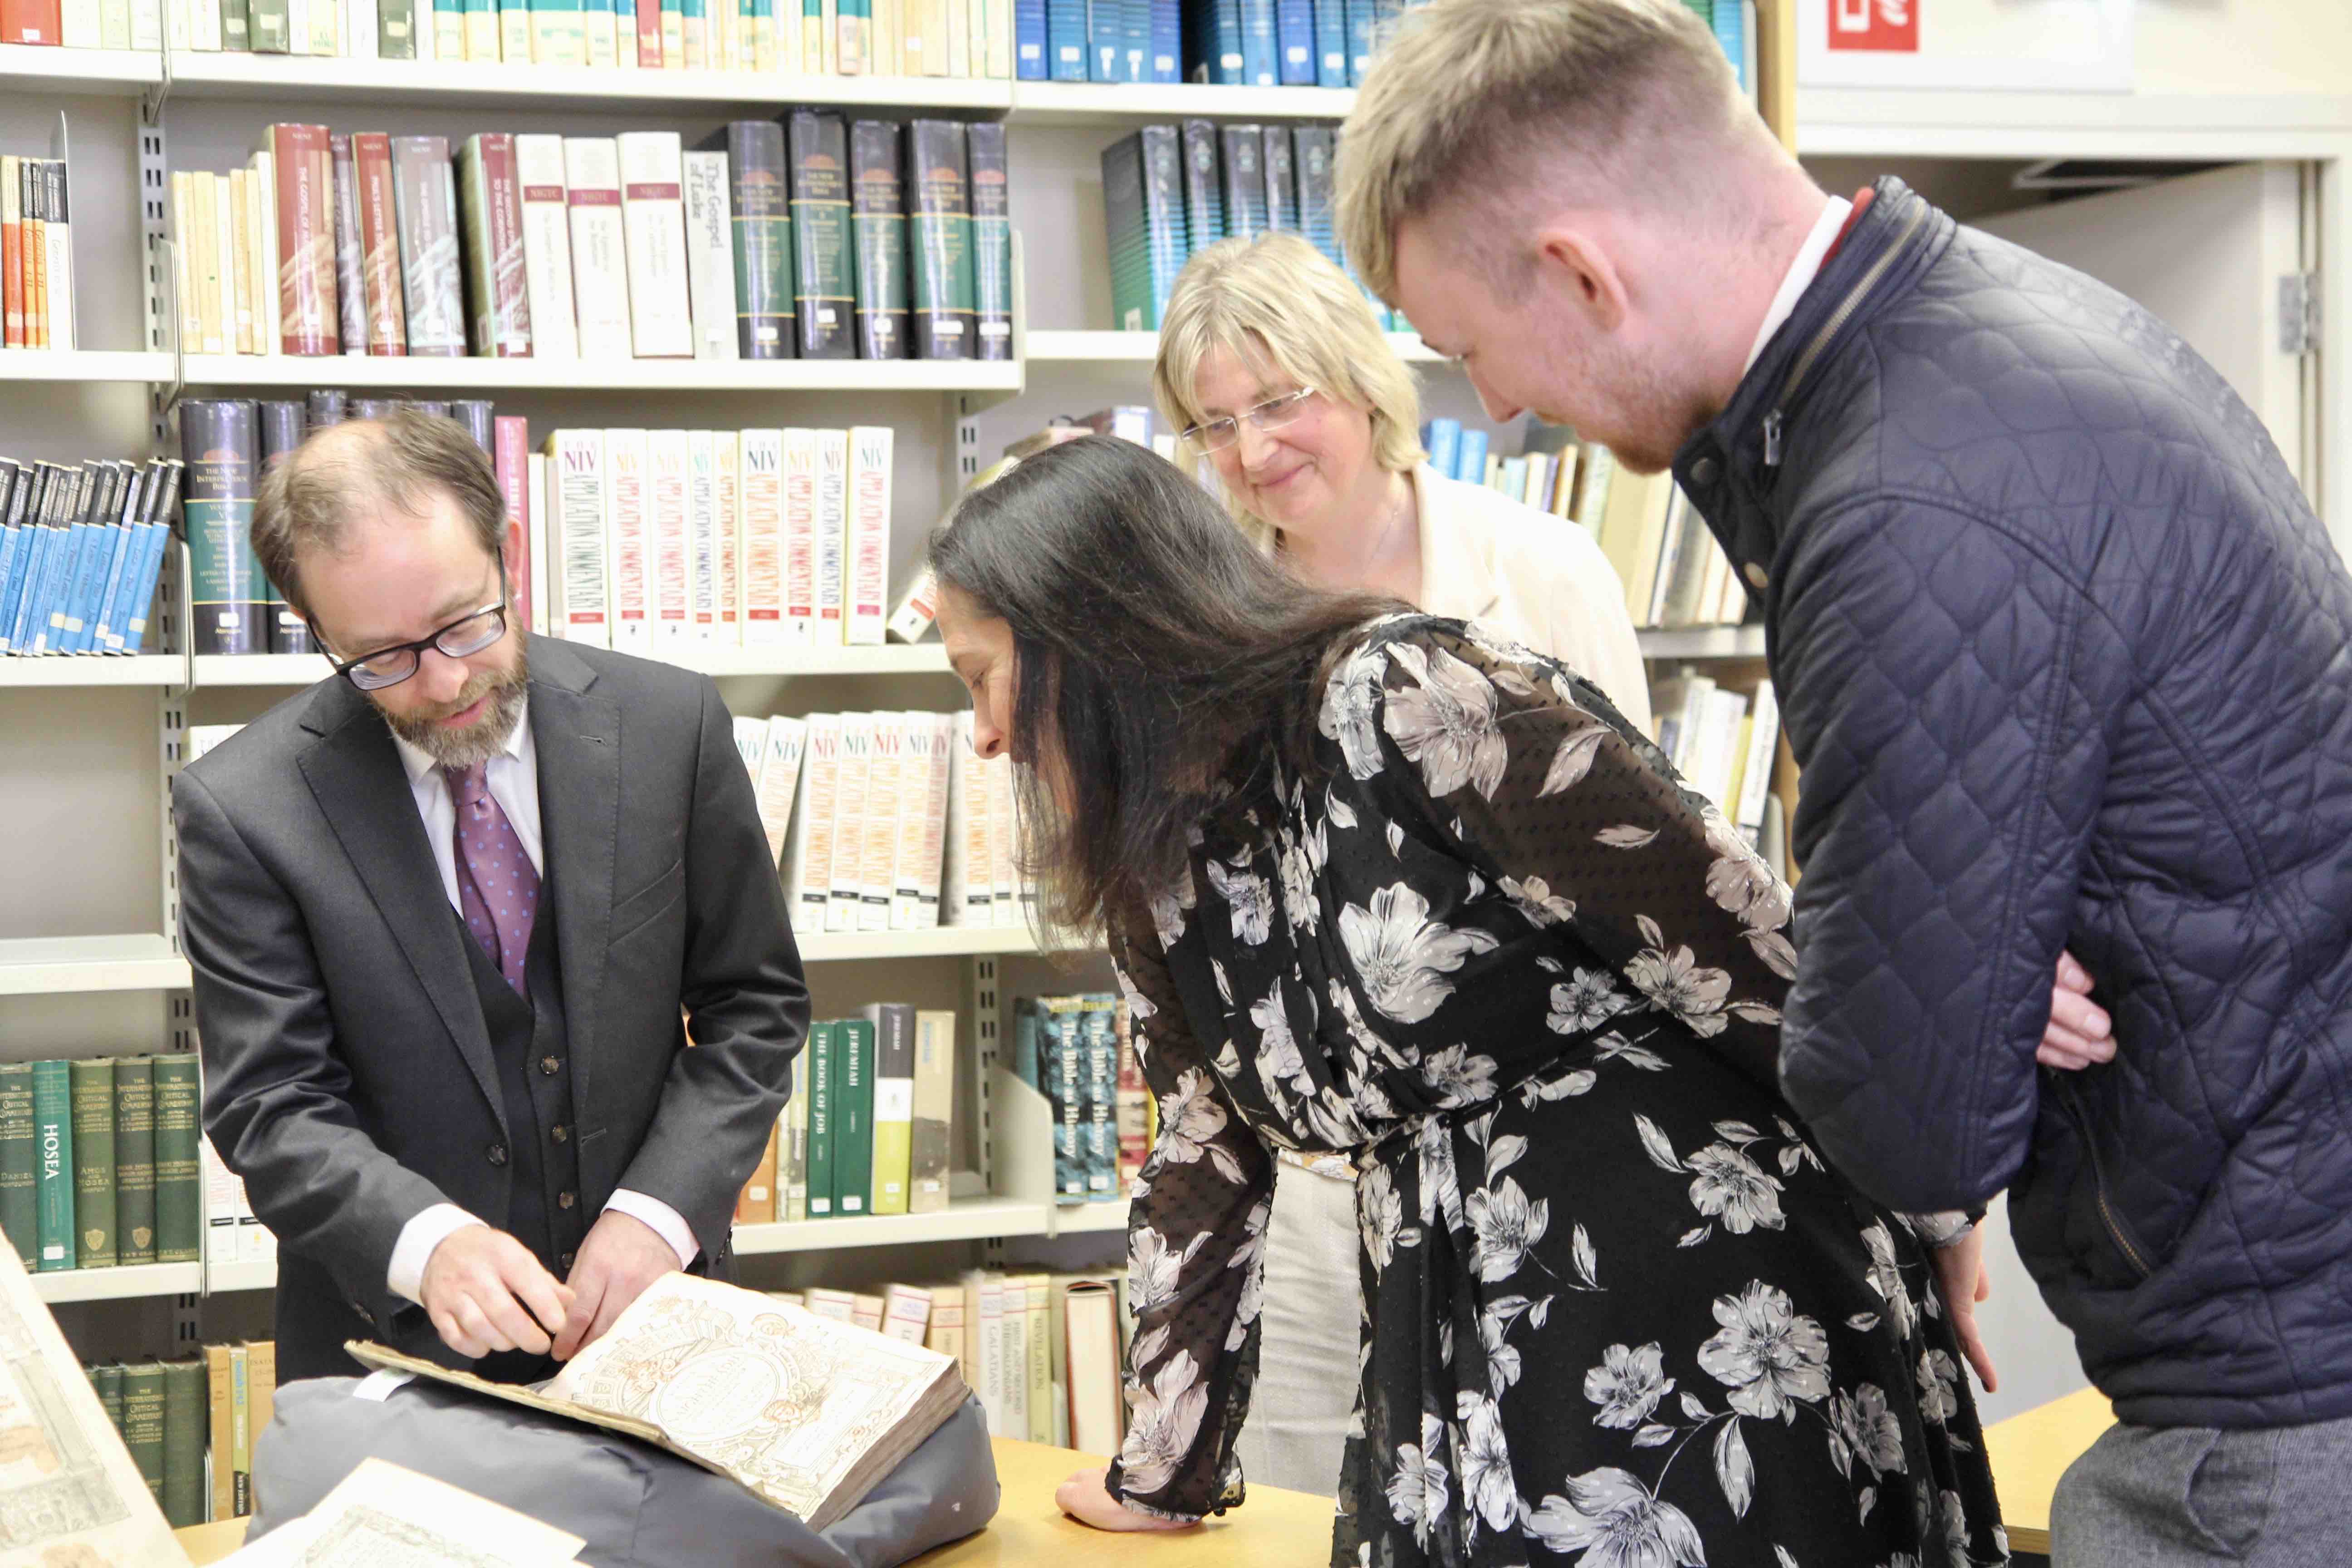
(140, 1280)
(942, 941)
(1087, 103)
(291, 670)
(1701, 642)
(1048, 347)
(116, 73)
(413, 371)
(62, 965)
(976, 1219)
(83, 364)
(458, 83)
(80, 669)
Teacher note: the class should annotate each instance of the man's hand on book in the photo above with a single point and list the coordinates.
(1084, 1497)
(486, 1292)
(622, 1256)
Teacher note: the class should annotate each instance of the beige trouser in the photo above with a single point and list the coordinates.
(1307, 1335)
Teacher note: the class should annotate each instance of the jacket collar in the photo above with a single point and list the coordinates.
(1729, 467)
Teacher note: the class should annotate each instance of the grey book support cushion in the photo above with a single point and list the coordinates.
(636, 1505)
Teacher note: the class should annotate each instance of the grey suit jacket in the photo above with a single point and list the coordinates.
(348, 1072)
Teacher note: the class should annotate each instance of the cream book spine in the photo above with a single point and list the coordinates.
(242, 280)
(535, 484)
(808, 848)
(269, 301)
(832, 532)
(220, 1207)
(711, 255)
(702, 535)
(580, 571)
(1012, 1335)
(965, 898)
(914, 810)
(841, 1306)
(546, 246)
(778, 780)
(670, 560)
(791, 1148)
(846, 887)
(751, 741)
(865, 552)
(985, 1333)
(226, 206)
(1036, 1288)
(628, 532)
(906, 1313)
(1004, 885)
(801, 551)
(931, 1147)
(762, 549)
(931, 853)
(877, 858)
(363, 21)
(600, 276)
(946, 1333)
(661, 323)
(727, 495)
(183, 228)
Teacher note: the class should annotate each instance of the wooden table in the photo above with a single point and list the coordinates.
(2032, 1450)
(1277, 1526)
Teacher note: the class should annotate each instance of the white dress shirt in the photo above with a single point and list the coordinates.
(1801, 273)
(514, 780)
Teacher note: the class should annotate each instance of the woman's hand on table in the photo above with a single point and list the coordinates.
(1084, 1497)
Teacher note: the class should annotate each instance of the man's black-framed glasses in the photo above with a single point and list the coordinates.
(466, 636)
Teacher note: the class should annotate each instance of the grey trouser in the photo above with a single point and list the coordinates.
(2152, 1497)
(1307, 1335)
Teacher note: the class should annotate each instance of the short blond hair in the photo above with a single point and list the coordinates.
(1279, 305)
(1471, 98)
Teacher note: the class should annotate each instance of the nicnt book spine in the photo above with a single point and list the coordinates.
(546, 247)
(387, 313)
(823, 297)
(600, 276)
(940, 187)
(661, 324)
(134, 1158)
(1004, 842)
(763, 240)
(865, 596)
(762, 549)
(351, 286)
(628, 533)
(306, 239)
(992, 240)
(218, 440)
(426, 201)
(779, 781)
(879, 220)
(711, 255)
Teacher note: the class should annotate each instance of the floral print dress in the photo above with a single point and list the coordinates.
(1616, 1311)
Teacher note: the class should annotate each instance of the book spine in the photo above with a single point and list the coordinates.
(727, 519)
(12, 246)
(628, 537)
(709, 253)
(669, 556)
(853, 1142)
(941, 189)
(1134, 1101)
(778, 781)
(822, 1062)
(179, 1190)
(894, 1104)
(54, 1173)
(991, 241)
(599, 276)
(1360, 16)
(930, 1143)
(57, 268)
(426, 204)
(580, 608)
(865, 558)
(1244, 183)
(762, 548)
(800, 549)
(546, 247)
(914, 803)
(832, 532)
(142, 1423)
(661, 325)
(351, 282)
(218, 441)
(19, 1164)
(844, 884)
(304, 161)
(183, 1442)
(1101, 1098)
(134, 1158)
(236, 1456)
(1067, 36)
(702, 532)
(1030, 61)
(1281, 186)
(92, 1089)
(808, 851)
(502, 319)
(792, 1156)
(535, 540)
(823, 294)
(878, 222)
(380, 272)
(879, 832)
(763, 239)
(395, 29)
(510, 462)
(107, 1381)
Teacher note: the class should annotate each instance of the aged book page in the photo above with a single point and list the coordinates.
(805, 1412)
(383, 1516)
(69, 1496)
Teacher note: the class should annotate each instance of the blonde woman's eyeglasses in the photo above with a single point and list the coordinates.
(1216, 435)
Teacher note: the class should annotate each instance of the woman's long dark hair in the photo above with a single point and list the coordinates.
(1158, 652)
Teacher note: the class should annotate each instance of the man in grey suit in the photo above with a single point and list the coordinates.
(444, 912)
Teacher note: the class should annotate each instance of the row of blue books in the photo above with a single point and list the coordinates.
(81, 548)
(1231, 43)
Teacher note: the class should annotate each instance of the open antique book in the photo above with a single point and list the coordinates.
(382, 1516)
(807, 1411)
(70, 1495)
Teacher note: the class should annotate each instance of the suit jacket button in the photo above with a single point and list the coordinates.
(1757, 577)
(566, 1262)
(559, 1133)
(498, 1154)
(548, 1065)
(1703, 471)
(563, 1200)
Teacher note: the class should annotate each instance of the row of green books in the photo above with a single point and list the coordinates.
(1079, 1053)
(869, 1127)
(160, 1408)
(98, 1162)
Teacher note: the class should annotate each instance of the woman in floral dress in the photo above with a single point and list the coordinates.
(1378, 884)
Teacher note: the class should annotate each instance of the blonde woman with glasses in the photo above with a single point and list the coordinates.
(1271, 363)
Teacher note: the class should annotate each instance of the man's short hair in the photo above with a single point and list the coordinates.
(311, 499)
(1469, 98)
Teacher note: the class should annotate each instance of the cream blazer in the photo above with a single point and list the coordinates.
(1533, 577)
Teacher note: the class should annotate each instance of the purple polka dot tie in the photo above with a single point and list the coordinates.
(497, 886)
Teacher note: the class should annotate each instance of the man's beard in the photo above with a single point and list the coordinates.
(483, 739)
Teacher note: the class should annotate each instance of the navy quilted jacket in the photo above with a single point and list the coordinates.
(2062, 653)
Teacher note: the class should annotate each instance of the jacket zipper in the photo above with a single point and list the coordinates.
(1834, 325)
(2099, 1189)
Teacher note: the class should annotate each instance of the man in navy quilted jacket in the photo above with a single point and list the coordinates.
(2062, 652)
